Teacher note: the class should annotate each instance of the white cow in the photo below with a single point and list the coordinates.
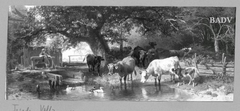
(191, 72)
(159, 67)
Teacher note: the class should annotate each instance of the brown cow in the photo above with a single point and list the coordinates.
(92, 61)
(123, 68)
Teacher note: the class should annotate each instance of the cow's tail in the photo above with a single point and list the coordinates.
(135, 72)
(84, 59)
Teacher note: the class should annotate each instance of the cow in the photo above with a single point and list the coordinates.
(191, 72)
(92, 61)
(123, 68)
(142, 57)
(159, 67)
(161, 53)
(54, 80)
(136, 54)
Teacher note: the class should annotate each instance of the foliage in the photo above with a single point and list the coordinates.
(169, 27)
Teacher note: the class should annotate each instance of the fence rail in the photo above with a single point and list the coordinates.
(76, 59)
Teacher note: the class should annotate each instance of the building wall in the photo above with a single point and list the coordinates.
(35, 51)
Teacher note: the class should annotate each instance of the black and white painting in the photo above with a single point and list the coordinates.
(120, 53)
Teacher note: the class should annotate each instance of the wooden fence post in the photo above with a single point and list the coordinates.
(195, 55)
(224, 66)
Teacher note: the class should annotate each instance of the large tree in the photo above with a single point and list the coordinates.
(98, 25)
(212, 33)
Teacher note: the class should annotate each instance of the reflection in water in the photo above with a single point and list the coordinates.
(100, 95)
(144, 93)
(136, 93)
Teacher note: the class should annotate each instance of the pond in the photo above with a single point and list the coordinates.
(135, 93)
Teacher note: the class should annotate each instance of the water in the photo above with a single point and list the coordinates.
(135, 93)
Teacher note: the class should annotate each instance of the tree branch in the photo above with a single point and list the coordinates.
(19, 13)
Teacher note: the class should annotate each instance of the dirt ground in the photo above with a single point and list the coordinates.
(22, 85)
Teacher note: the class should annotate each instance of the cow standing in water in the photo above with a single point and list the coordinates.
(123, 68)
(92, 61)
(159, 67)
(191, 72)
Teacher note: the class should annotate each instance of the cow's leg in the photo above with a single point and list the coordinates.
(93, 66)
(173, 78)
(89, 67)
(120, 79)
(159, 79)
(143, 62)
(155, 83)
(50, 84)
(190, 79)
(193, 84)
(33, 63)
(98, 68)
(125, 80)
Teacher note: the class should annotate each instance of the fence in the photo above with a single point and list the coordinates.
(76, 58)
(211, 67)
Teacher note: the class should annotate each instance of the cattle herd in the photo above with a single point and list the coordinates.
(154, 62)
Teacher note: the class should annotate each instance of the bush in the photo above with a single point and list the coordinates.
(201, 50)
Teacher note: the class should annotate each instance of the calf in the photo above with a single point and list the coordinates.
(123, 68)
(159, 67)
(92, 61)
(54, 80)
(191, 72)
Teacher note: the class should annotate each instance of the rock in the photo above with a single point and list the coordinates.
(208, 93)
(214, 95)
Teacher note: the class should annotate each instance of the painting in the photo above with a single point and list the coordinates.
(120, 53)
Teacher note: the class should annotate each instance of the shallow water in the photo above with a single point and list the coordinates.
(135, 93)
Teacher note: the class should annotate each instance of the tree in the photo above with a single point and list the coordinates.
(98, 25)
(217, 32)
(16, 21)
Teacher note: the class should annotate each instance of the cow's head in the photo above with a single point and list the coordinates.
(144, 76)
(173, 71)
(143, 54)
(98, 59)
(186, 50)
(180, 72)
(111, 68)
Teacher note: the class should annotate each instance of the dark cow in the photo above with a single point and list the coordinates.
(54, 80)
(160, 53)
(142, 57)
(92, 61)
(136, 54)
(123, 68)
(159, 67)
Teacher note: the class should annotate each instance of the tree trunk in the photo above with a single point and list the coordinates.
(98, 49)
(226, 48)
(216, 46)
(121, 47)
